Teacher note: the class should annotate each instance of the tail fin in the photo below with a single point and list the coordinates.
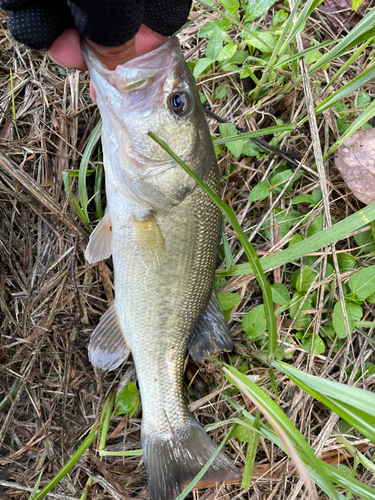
(172, 463)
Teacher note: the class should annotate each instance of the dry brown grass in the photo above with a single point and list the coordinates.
(53, 393)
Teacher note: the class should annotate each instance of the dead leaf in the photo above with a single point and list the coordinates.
(340, 14)
(355, 160)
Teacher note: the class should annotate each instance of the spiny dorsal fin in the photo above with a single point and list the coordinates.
(100, 243)
(212, 333)
(149, 240)
(107, 347)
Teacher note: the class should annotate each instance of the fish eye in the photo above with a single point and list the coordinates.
(179, 103)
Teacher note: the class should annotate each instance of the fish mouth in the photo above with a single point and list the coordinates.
(139, 72)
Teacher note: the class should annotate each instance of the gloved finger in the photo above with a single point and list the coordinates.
(15, 4)
(166, 16)
(39, 25)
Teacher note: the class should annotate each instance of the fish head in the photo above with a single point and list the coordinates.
(152, 93)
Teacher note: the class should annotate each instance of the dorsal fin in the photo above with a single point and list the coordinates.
(107, 347)
(212, 333)
(100, 243)
(149, 240)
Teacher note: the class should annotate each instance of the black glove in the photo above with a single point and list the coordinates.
(37, 23)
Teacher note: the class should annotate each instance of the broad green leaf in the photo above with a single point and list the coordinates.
(228, 130)
(362, 100)
(228, 300)
(255, 9)
(220, 92)
(202, 65)
(207, 29)
(259, 192)
(319, 346)
(305, 279)
(303, 198)
(354, 313)
(250, 148)
(285, 219)
(301, 320)
(254, 322)
(317, 195)
(127, 400)
(279, 17)
(264, 36)
(362, 283)
(280, 294)
(214, 45)
(356, 406)
(316, 225)
(227, 52)
(342, 109)
(230, 5)
(346, 261)
(366, 239)
(296, 238)
(243, 432)
(279, 180)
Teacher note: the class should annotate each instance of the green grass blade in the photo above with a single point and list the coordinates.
(305, 52)
(250, 455)
(347, 64)
(358, 488)
(36, 486)
(12, 94)
(276, 53)
(272, 411)
(129, 453)
(82, 189)
(306, 11)
(363, 30)
(355, 84)
(69, 192)
(248, 248)
(256, 133)
(312, 244)
(364, 117)
(69, 465)
(356, 406)
(107, 408)
(98, 185)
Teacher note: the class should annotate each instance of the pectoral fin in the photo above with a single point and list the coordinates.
(149, 240)
(100, 243)
(212, 333)
(107, 347)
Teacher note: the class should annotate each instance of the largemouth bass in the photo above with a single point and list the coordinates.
(163, 233)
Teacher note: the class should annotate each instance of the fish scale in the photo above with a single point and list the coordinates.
(163, 232)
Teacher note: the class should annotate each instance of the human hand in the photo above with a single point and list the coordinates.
(66, 49)
(117, 30)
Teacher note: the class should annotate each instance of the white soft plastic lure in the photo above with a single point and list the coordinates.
(163, 234)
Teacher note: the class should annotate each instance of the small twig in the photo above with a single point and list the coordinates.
(260, 142)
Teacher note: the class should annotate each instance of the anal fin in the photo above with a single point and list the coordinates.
(107, 347)
(212, 333)
(100, 243)
(149, 240)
